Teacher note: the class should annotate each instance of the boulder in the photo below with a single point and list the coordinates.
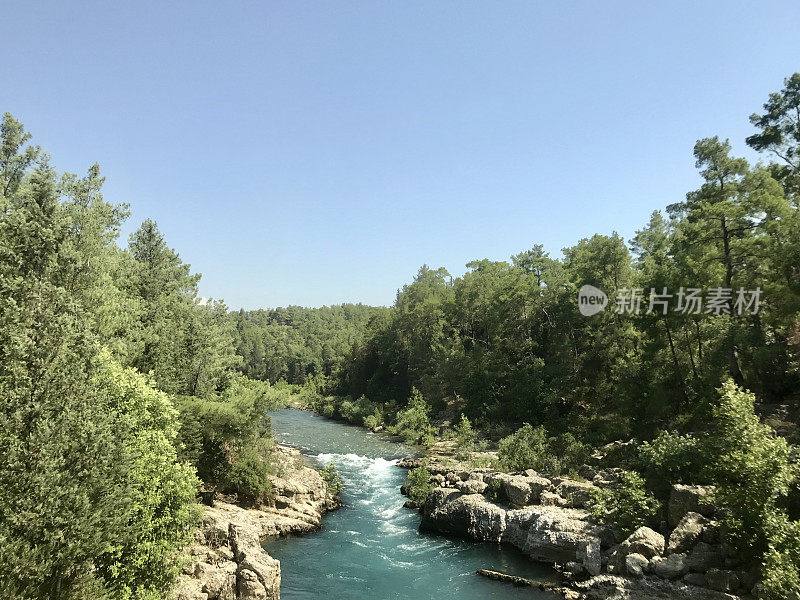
(698, 579)
(644, 541)
(704, 556)
(471, 486)
(722, 581)
(537, 483)
(517, 489)
(551, 499)
(547, 534)
(227, 560)
(686, 533)
(250, 588)
(636, 565)
(684, 499)
(611, 587)
(578, 494)
(669, 567)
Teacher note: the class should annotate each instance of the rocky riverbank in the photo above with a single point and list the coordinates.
(547, 519)
(226, 560)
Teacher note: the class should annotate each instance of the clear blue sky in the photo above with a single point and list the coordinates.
(319, 152)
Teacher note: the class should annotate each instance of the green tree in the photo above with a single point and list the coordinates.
(779, 133)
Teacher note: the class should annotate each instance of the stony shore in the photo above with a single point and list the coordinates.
(547, 519)
(226, 560)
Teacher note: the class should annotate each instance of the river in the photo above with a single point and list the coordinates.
(371, 548)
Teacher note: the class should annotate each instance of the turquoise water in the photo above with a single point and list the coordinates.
(371, 548)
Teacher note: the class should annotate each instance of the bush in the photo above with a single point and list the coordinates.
(348, 411)
(374, 420)
(627, 506)
(568, 454)
(413, 422)
(781, 565)
(750, 467)
(418, 484)
(249, 475)
(142, 563)
(464, 437)
(530, 448)
(331, 477)
(671, 459)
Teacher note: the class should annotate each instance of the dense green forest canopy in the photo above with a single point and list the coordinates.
(294, 343)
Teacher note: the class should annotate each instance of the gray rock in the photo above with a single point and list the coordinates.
(611, 587)
(551, 499)
(722, 581)
(704, 557)
(575, 568)
(545, 533)
(644, 541)
(249, 586)
(538, 484)
(684, 499)
(636, 565)
(517, 489)
(669, 567)
(698, 579)
(471, 486)
(686, 533)
(578, 494)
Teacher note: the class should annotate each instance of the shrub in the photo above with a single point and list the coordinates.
(627, 506)
(568, 454)
(750, 467)
(781, 565)
(530, 448)
(669, 459)
(413, 422)
(249, 475)
(418, 484)
(331, 477)
(464, 437)
(524, 449)
(374, 420)
(348, 411)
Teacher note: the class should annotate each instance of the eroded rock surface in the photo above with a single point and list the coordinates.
(227, 562)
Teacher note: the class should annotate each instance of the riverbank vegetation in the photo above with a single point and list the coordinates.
(119, 388)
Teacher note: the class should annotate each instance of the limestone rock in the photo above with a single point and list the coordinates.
(695, 579)
(549, 534)
(684, 499)
(517, 489)
(636, 565)
(228, 562)
(722, 581)
(670, 567)
(610, 587)
(644, 541)
(578, 494)
(471, 486)
(704, 557)
(686, 533)
(551, 499)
